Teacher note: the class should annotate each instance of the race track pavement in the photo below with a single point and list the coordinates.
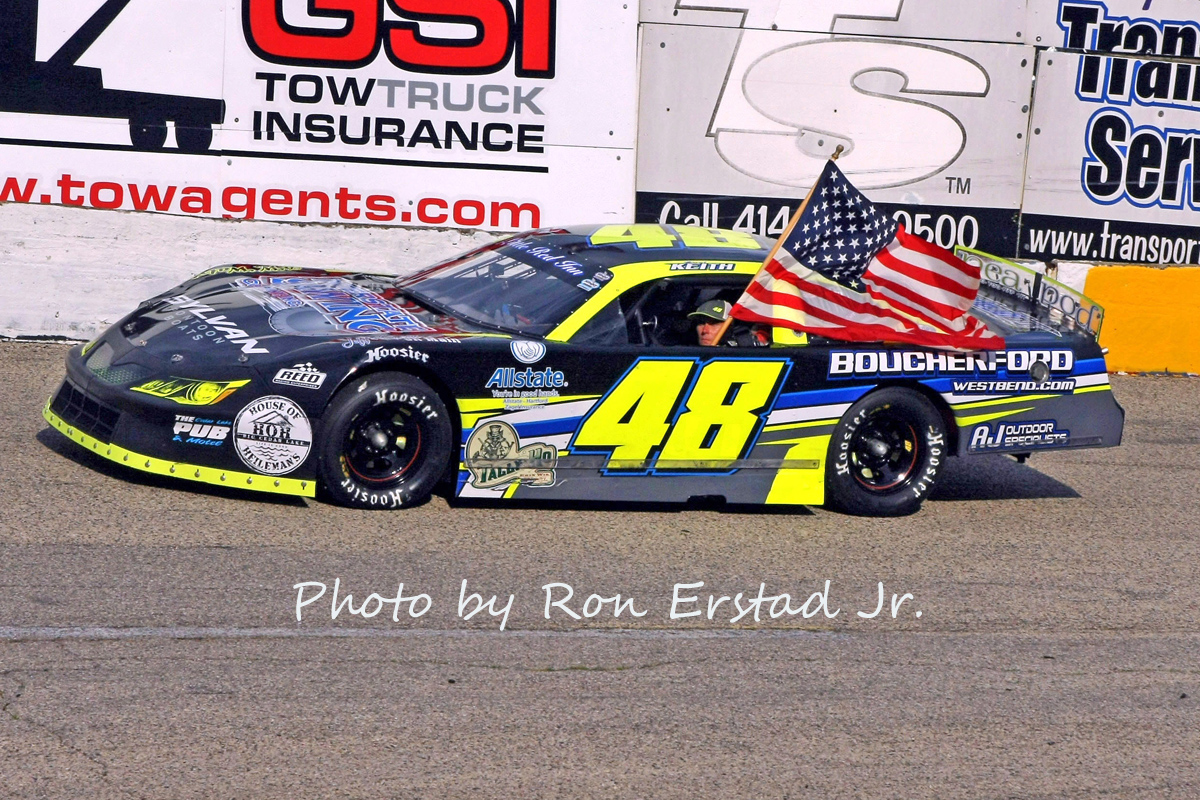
(149, 646)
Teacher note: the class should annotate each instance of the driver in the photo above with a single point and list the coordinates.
(709, 318)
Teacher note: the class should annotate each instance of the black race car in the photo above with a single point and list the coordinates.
(562, 364)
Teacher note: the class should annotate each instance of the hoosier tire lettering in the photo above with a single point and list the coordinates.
(387, 442)
(886, 454)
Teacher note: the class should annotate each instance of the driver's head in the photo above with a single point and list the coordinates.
(709, 318)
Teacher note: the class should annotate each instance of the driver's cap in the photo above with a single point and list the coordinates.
(717, 310)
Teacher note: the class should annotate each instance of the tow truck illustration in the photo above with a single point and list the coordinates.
(60, 86)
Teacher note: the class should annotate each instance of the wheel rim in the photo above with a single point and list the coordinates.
(884, 451)
(382, 445)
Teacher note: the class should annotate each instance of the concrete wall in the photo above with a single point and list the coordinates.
(71, 272)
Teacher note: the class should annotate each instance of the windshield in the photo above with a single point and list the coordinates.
(523, 286)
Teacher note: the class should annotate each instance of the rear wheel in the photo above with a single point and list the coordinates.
(885, 454)
(386, 443)
(148, 134)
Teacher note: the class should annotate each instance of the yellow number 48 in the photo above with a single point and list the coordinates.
(652, 420)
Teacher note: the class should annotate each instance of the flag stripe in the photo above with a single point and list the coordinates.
(901, 262)
(752, 310)
(912, 302)
(821, 307)
(835, 295)
(945, 257)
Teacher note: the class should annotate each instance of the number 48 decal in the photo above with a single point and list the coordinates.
(670, 415)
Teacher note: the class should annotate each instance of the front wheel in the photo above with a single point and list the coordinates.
(885, 454)
(386, 444)
(193, 138)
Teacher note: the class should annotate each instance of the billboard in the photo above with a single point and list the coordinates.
(1113, 160)
(739, 111)
(489, 114)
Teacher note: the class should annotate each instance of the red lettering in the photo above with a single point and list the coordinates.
(476, 209)
(115, 190)
(273, 39)
(427, 218)
(195, 200)
(277, 202)
(362, 27)
(514, 215)
(535, 48)
(246, 206)
(12, 190)
(344, 199)
(320, 197)
(141, 202)
(487, 51)
(381, 208)
(66, 185)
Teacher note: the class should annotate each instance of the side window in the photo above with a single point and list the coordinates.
(655, 314)
(605, 329)
(662, 314)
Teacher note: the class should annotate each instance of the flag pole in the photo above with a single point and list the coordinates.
(782, 238)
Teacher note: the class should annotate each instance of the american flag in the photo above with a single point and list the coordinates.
(845, 270)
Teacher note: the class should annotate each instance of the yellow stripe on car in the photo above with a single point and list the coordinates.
(965, 421)
(176, 469)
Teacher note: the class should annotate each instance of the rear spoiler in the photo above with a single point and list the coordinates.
(1025, 299)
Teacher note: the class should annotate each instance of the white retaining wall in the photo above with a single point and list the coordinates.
(71, 272)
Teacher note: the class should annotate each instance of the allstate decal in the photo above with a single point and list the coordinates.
(527, 351)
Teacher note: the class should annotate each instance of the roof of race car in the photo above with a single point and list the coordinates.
(603, 246)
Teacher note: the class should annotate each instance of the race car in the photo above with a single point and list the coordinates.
(562, 365)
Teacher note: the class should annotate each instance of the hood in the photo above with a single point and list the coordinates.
(263, 315)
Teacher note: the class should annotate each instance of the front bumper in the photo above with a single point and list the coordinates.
(107, 421)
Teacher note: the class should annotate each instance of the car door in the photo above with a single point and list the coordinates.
(656, 417)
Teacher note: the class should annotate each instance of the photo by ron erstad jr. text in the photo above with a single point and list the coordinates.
(688, 600)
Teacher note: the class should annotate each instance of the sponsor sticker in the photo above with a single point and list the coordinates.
(317, 306)
(198, 430)
(272, 435)
(208, 324)
(380, 353)
(845, 363)
(526, 388)
(236, 269)
(703, 266)
(190, 392)
(306, 376)
(528, 378)
(495, 457)
(527, 351)
(1009, 435)
(1065, 386)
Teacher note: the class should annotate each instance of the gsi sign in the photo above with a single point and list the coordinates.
(362, 27)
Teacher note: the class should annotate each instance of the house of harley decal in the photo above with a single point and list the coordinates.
(273, 435)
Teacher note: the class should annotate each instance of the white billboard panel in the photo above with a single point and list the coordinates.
(752, 115)
(493, 115)
(1114, 160)
(977, 20)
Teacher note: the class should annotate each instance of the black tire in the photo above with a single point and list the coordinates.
(386, 442)
(147, 134)
(885, 454)
(193, 138)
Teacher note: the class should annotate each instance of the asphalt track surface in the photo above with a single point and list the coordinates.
(149, 646)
